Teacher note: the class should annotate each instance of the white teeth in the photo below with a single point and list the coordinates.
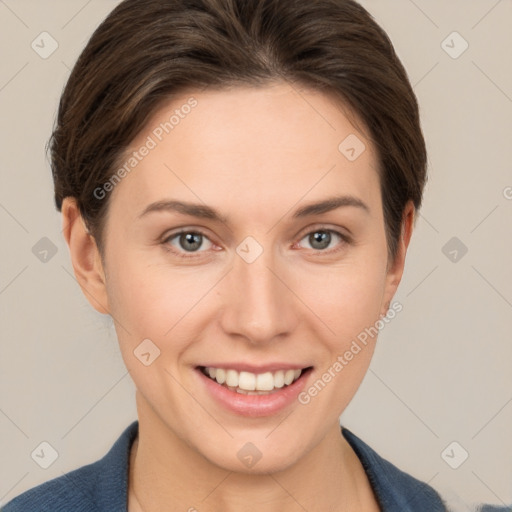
(232, 378)
(251, 383)
(247, 381)
(265, 381)
(279, 379)
(288, 377)
(220, 376)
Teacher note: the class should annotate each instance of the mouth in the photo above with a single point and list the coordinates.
(249, 383)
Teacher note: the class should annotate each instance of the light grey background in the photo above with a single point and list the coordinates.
(442, 370)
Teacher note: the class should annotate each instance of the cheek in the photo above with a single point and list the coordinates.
(348, 303)
(150, 306)
(346, 298)
(152, 301)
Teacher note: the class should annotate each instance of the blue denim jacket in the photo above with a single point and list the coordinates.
(103, 485)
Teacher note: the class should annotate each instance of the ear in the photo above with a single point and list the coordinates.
(396, 267)
(85, 256)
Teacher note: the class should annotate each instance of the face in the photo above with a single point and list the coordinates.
(215, 256)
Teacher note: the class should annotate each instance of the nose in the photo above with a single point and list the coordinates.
(260, 305)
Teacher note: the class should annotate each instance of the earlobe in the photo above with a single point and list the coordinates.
(85, 256)
(396, 267)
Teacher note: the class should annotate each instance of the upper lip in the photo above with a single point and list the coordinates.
(252, 368)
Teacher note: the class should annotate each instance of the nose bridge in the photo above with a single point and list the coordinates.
(259, 306)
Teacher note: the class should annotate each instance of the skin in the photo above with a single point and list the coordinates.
(256, 155)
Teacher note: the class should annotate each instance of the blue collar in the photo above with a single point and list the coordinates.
(395, 490)
(103, 485)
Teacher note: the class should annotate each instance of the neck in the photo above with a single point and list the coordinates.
(167, 474)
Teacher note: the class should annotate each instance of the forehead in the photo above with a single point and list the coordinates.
(275, 143)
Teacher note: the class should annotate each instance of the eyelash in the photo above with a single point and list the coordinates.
(345, 240)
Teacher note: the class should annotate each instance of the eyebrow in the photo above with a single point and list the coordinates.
(206, 212)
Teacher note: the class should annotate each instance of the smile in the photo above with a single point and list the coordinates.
(253, 394)
(251, 383)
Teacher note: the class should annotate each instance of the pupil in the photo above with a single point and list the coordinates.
(191, 238)
(323, 238)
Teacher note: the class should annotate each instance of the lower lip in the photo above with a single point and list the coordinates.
(255, 405)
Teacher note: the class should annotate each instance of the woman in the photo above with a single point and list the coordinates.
(239, 181)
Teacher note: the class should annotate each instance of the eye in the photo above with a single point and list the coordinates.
(186, 242)
(321, 239)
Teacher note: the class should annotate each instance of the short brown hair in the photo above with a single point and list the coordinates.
(147, 51)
